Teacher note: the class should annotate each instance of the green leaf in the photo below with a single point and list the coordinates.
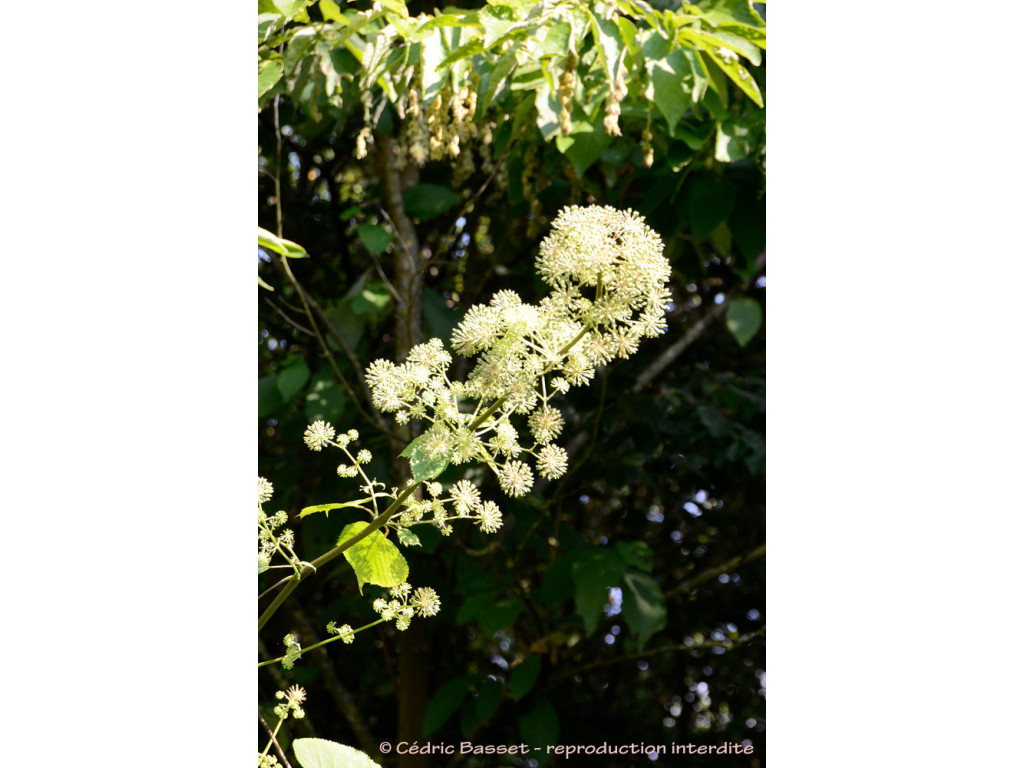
(289, 7)
(431, 54)
(539, 727)
(372, 297)
(495, 27)
(441, 319)
(472, 48)
(731, 142)
(672, 85)
(473, 605)
(269, 397)
(556, 43)
(320, 753)
(495, 616)
(374, 559)
(743, 318)
(643, 605)
(594, 571)
(326, 508)
(748, 224)
(444, 703)
(585, 144)
(424, 465)
(494, 77)
(407, 538)
(488, 701)
(522, 678)
(292, 379)
(714, 47)
(548, 109)
(636, 554)
(262, 567)
(270, 73)
(325, 399)
(279, 245)
(331, 11)
(374, 237)
(427, 201)
(710, 202)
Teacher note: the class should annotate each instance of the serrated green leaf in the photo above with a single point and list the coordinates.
(427, 201)
(320, 753)
(522, 678)
(375, 238)
(444, 703)
(292, 379)
(643, 605)
(374, 559)
(407, 537)
(743, 318)
(425, 466)
(326, 508)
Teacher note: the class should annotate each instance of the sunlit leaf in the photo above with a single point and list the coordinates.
(374, 559)
(743, 318)
(320, 753)
(326, 508)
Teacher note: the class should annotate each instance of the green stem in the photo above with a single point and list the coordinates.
(376, 524)
(321, 643)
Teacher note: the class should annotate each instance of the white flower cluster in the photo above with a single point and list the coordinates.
(405, 604)
(462, 502)
(609, 283)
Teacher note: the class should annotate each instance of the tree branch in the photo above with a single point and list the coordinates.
(729, 565)
(277, 747)
(680, 648)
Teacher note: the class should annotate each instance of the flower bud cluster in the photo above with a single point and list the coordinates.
(291, 703)
(272, 537)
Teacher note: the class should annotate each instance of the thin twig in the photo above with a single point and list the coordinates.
(287, 319)
(273, 738)
(680, 648)
(729, 565)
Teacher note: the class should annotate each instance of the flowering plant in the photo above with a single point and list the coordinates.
(608, 280)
